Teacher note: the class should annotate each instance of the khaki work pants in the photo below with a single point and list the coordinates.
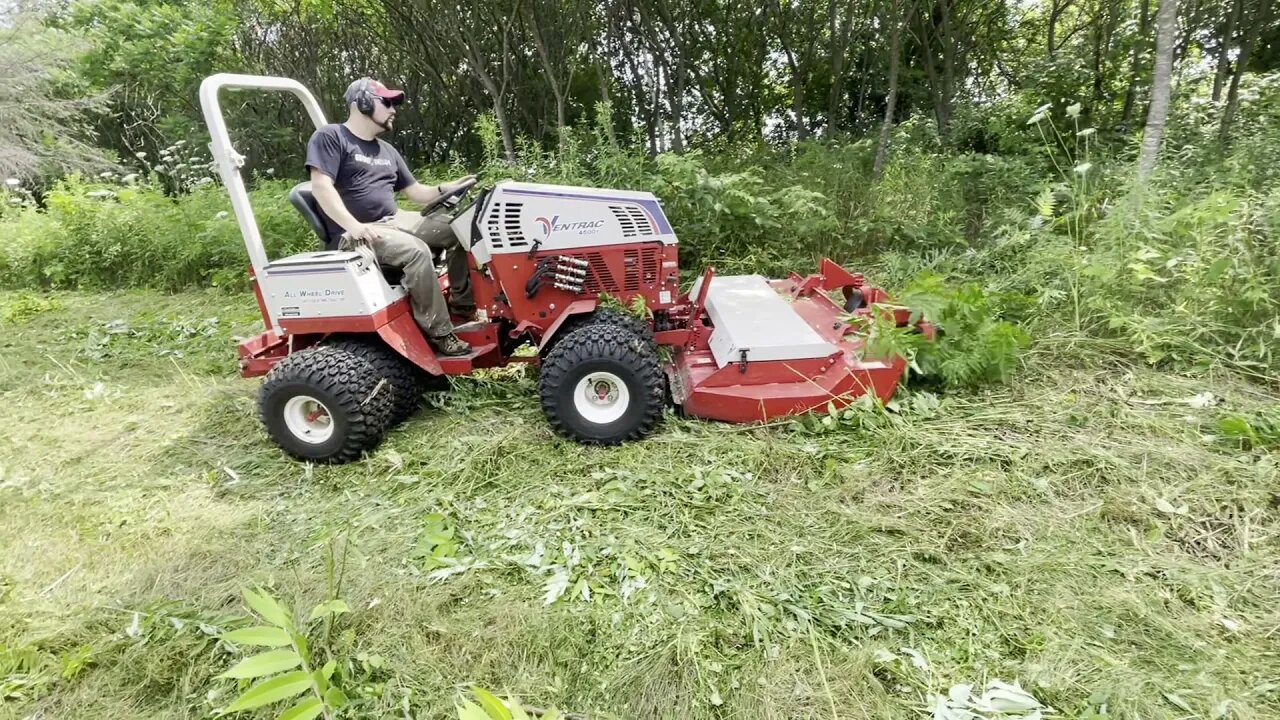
(405, 242)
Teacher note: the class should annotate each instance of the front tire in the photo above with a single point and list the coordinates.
(604, 316)
(326, 403)
(602, 385)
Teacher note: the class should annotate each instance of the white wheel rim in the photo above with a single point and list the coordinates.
(308, 419)
(601, 397)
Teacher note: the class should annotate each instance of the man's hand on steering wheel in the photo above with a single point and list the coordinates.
(451, 191)
(456, 186)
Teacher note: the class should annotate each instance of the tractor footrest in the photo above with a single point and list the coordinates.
(462, 364)
(752, 322)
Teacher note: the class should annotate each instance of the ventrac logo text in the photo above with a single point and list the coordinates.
(587, 227)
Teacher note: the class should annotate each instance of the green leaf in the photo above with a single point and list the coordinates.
(491, 704)
(470, 711)
(517, 712)
(1216, 269)
(265, 664)
(305, 710)
(1045, 202)
(267, 608)
(335, 698)
(260, 635)
(273, 690)
(333, 607)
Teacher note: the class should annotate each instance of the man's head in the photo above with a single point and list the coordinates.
(371, 101)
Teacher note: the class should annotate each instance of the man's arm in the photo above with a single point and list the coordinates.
(326, 195)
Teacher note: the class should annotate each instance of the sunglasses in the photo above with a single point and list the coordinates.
(385, 103)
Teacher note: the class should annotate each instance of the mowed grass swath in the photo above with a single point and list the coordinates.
(1089, 532)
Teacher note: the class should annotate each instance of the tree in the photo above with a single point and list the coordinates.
(1261, 18)
(559, 29)
(1225, 41)
(896, 18)
(483, 37)
(41, 131)
(1161, 82)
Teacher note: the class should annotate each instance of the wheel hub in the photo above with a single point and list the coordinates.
(601, 397)
(308, 419)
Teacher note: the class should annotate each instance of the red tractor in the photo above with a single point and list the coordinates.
(344, 360)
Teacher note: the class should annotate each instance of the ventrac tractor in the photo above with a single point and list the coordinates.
(344, 360)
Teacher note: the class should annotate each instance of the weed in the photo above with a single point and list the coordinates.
(288, 670)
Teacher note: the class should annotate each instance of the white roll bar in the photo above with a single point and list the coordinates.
(230, 162)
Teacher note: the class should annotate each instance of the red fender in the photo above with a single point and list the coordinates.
(577, 307)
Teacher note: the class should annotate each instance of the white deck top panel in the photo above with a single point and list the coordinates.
(749, 315)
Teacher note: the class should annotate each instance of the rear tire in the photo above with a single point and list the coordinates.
(602, 385)
(325, 403)
(408, 382)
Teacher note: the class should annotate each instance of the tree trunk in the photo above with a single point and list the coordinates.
(841, 25)
(508, 140)
(948, 70)
(895, 49)
(1224, 47)
(548, 69)
(1056, 8)
(1166, 26)
(797, 109)
(1130, 95)
(677, 106)
(656, 99)
(1102, 56)
(1253, 30)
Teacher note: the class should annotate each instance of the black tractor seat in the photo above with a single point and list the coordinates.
(302, 199)
(304, 202)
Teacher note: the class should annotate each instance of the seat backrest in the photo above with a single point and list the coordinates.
(302, 199)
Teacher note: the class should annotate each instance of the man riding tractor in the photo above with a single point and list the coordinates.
(354, 179)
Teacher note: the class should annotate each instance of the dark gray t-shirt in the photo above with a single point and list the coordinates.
(367, 173)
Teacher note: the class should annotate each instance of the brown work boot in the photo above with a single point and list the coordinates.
(449, 345)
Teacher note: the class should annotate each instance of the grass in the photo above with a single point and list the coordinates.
(1084, 531)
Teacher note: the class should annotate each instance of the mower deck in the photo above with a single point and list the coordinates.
(776, 353)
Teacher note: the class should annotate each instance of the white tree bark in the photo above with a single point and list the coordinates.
(1161, 82)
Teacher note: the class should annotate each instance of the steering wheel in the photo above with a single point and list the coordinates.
(447, 197)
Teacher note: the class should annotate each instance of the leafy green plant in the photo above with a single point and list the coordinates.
(1252, 430)
(487, 706)
(975, 346)
(436, 545)
(287, 671)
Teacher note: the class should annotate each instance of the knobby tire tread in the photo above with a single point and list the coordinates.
(347, 373)
(595, 341)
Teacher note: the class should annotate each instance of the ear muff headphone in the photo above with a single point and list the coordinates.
(364, 97)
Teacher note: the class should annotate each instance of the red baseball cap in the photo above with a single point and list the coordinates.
(395, 97)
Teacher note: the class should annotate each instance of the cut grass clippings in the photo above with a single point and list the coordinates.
(1086, 532)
